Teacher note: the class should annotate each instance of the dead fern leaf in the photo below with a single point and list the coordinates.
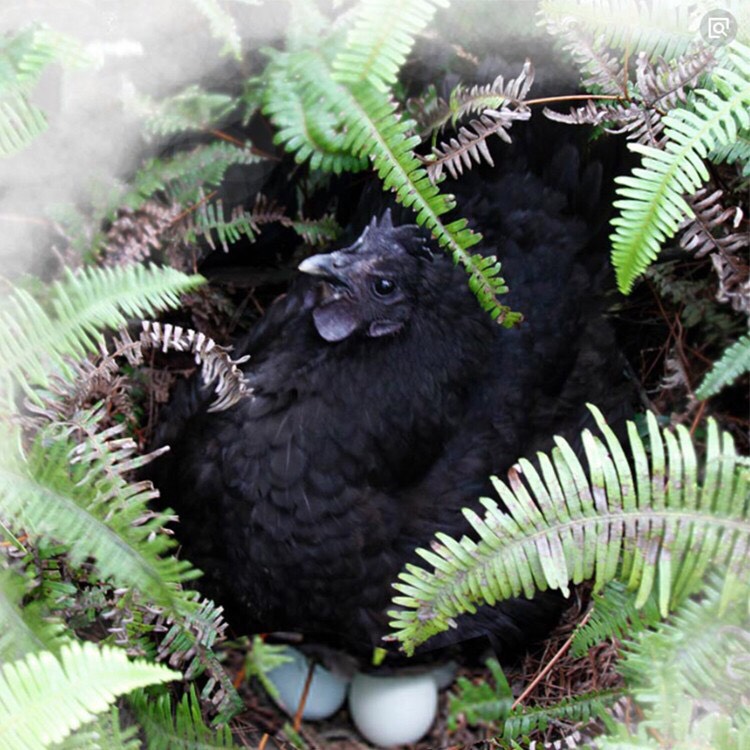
(470, 145)
(710, 230)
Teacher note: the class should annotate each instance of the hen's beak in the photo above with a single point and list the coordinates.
(334, 266)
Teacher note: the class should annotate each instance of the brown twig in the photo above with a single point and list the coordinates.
(303, 698)
(573, 97)
(697, 419)
(551, 663)
(237, 142)
(240, 678)
(180, 216)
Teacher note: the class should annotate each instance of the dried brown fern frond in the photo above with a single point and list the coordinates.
(430, 111)
(95, 380)
(496, 97)
(470, 145)
(189, 645)
(712, 228)
(604, 73)
(433, 113)
(662, 84)
(713, 231)
(641, 104)
(734, 281)
(638, 123)
(218, 369)
(101, 380)
(266, 211)
(591, 113)
(137, 233)
(502, 103)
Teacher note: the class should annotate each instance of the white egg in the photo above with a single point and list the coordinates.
(393, 710)
(327, 690)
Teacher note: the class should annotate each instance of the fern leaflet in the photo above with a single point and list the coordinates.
(614, 615)
(381, 39)
(734, 363)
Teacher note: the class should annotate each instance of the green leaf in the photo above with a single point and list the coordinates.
(43, 698)
(24, 629)
(23, 58)
(177, 726)
(734, 363)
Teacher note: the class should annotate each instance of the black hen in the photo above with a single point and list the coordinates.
(383, 398)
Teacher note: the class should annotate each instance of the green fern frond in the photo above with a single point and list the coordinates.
(317, 231)
(381, 39)
(481, 703)
(87, 505)
(193, 633)
(580, 709)
(737, 151)
(301, 100)
(25, 55)
(682, 653)
(660, 29)
(104, 733)
(20, 123)
(651, 203)
(194, 108)
(734, 363)
(672, 670)
(24, 629)
(43, 698)
(614, 615)
(486, 704)
(210, 223)
(177, 726)
(186, 174)
(35, 342)
(617, 522)
(222, 25)
(23, 58)
(261, 659)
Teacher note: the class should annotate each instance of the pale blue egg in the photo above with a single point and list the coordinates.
(327, 690)
(393, 710)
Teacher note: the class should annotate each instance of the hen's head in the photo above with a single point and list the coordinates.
(371, 286)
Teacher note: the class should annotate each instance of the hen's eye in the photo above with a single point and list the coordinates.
(383, 287)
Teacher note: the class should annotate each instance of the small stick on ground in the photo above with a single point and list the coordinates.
(551, 663)
(303, 698)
